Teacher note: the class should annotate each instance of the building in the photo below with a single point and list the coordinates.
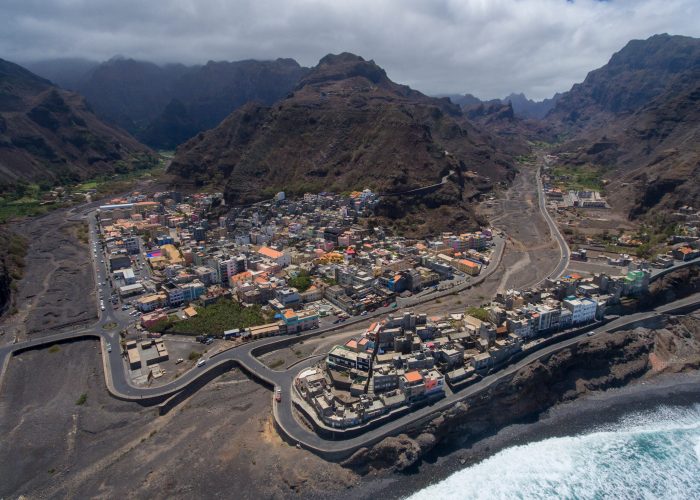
(280, 258)
(343, 358)
(300, 321)
(131, 245)
(412, 384)
(582, 310)
(119, 261)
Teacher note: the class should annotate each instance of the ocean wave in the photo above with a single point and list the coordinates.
(646, 455)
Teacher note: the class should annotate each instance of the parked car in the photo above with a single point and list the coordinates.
(278, 394)
(109, 347)
(179, 360)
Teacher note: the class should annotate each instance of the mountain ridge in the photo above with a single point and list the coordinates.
(346, 126)
(51, 135)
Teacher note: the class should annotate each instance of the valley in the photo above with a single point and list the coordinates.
(292, 279)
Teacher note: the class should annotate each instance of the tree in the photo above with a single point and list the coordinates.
(301, 281)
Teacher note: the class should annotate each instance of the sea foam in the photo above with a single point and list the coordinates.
(647, 455)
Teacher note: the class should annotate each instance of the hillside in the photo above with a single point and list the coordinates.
(50, 135)
(347, 126)
(166, 105)
(637, 121)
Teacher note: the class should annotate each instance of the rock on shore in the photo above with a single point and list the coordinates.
(601, 362)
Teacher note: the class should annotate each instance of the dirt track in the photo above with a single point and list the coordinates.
(530, 251)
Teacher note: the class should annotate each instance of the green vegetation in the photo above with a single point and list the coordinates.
(81, 400)
(301, 281)
(82, 233)
(194, 355)
(54, 349)
(25, 199)
(478, 313)
(13, 249)
(124, 177)
(109, 326)
(224, 315)
(277, 363)
(529, 158)
(584, 177)
(161, 325)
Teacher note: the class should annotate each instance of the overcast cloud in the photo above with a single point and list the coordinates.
(486, 47)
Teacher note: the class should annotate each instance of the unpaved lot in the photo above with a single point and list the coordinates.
(58, 286)
(220, 442)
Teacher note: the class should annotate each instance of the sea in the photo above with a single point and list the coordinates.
(648, 455)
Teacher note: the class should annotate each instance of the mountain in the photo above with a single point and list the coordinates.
(50, 135)
(522, 106)
(144, 98)
(527, 108)
(642, 71)
(637, 121)
(67, 73)
(348, 126)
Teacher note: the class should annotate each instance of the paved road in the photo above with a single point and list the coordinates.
(564, 252)
(423, 188)
(118, 381)
(287, 422)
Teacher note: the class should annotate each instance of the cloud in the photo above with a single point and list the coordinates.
(486, 47)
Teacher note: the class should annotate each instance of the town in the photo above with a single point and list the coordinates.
(286, 265)
(292, 266)
(409, 360)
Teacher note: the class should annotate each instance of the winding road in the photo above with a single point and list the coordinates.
(246, 357)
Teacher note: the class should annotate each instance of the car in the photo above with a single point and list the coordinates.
(336, 322)
(590, 334)
(209, 341)
(179, 360)
(102, 308)
(109, 347)
(202, 362)
(278, 394)
(363, 313)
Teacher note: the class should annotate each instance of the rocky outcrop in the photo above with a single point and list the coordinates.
(597, 363)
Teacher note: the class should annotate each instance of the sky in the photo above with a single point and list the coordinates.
(488, 48)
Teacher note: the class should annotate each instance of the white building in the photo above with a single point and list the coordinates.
(582, 310)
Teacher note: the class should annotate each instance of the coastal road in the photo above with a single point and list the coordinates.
(245, 357)
(295, 431)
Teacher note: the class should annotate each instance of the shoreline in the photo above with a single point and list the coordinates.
(580, 416)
